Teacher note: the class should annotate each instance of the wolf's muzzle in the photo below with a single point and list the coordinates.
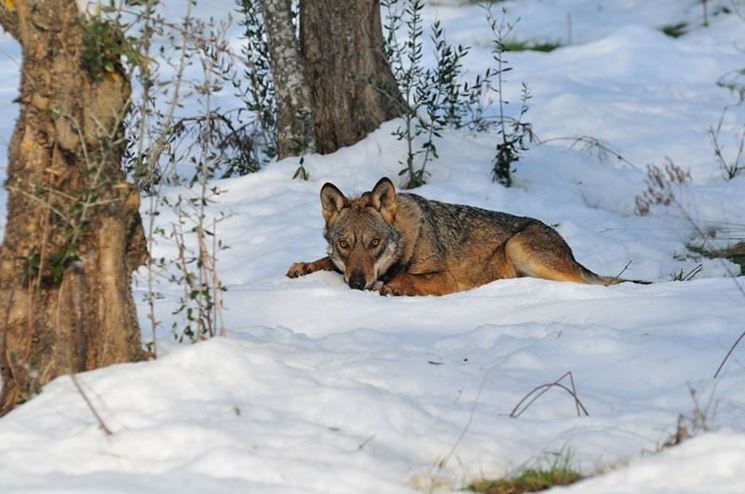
(357, 281)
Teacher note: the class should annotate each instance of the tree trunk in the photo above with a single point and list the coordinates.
(74, 234)
(352, 87)
(294, 115)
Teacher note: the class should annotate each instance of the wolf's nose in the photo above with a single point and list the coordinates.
(357, 281)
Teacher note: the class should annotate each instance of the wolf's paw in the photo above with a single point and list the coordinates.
(396, 289)
(299, 269)
(387, 290)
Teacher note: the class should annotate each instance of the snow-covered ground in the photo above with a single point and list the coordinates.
(319, 388)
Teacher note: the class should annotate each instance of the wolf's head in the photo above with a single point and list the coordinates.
(363, 243)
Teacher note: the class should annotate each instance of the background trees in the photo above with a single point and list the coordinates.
(335, 77)
(74, 235)
(295, 122)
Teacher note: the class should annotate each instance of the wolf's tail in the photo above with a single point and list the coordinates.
(594, 279)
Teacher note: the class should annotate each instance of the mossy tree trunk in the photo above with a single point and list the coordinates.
(73, 235)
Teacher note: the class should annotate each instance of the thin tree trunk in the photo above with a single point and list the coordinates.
(294, 114)
(74, 234)
(353, 89)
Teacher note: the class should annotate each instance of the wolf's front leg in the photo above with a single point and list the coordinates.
(303, 268)
(420, 284)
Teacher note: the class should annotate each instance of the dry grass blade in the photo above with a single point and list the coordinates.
(726, 357)
(542, 389)
(463, 431)
(589, 144)
(618, 276)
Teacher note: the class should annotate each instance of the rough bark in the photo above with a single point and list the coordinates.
(9, 20)
(352, 87)
(294, 114)
(73, 235)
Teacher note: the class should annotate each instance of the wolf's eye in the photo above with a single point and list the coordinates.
(374, 242)
(343, 244)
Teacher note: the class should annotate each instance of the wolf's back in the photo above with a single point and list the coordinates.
(458, 222)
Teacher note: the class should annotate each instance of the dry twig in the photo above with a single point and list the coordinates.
(88, 402)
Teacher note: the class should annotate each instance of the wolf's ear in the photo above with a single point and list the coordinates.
(383, 198)
(332, 201)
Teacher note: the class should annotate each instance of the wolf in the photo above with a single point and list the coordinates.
(417, 246)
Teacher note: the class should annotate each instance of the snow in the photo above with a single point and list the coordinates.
(696, 466)
(319, 388)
